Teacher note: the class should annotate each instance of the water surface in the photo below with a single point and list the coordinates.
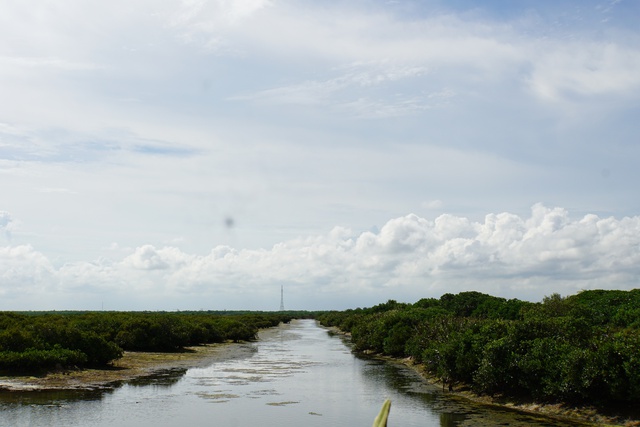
(295, 375)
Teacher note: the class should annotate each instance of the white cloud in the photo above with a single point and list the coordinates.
(206, 23)
(5, 220)
(146, 258)
(564, 71)
(210, 15)
(148, 123)
(461, 55)
(23, 273)
(7, 224)
(409, 258)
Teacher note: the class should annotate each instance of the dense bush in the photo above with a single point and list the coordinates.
(34, 360)
(45, 341)
(583, 348)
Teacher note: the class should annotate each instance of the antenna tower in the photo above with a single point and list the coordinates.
(281, 298)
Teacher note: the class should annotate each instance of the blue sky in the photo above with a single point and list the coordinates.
(200, 154)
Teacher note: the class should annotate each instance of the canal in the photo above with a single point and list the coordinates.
(295, 375)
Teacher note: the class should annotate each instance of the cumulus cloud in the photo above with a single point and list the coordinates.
(146, 258)
(107, 114)
(24, 272)
(410, 257)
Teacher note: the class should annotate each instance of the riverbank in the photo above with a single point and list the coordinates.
(132, 365)
(586, 415)
(141, 364)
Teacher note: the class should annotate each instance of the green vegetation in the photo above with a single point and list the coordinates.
(582, 349)
(383, 416)
(45, 341)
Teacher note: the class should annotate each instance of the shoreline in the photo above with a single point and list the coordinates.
(586, 415)
(131, 366)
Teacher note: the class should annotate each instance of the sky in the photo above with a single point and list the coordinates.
(200, 155)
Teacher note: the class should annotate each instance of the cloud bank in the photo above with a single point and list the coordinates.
(136, 136)
(410, 257)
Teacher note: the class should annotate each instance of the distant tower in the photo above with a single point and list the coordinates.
(281, 298)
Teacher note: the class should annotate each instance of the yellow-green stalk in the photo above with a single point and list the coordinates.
(381, 419)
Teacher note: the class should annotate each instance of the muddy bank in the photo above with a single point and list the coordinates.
(132, 365)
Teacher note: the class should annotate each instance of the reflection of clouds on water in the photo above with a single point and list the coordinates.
(248, 371)
(269, 360)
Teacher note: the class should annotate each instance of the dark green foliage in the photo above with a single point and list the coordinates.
(16, 339)
(476, 304)
(34, 360)
(344, 320)
(153, 333)
(620, 308)
(583, 348)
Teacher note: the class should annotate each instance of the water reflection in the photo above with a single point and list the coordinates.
(450, 419)
(163, 378)
(296, 375)
(49, 397)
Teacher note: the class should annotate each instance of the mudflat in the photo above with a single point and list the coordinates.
(132, 365)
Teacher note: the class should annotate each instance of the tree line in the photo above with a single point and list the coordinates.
(44, 341)
(581, 349)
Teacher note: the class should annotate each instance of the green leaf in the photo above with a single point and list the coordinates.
(381, 419)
